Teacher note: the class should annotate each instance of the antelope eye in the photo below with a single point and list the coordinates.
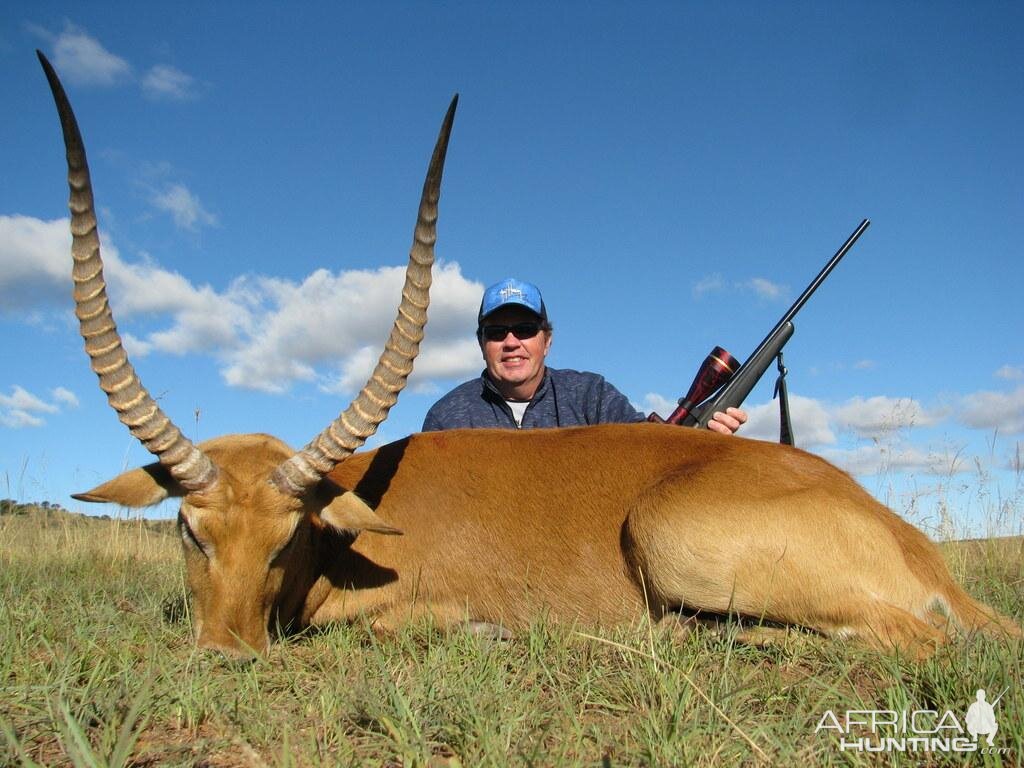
(189, 537)
(284, 548)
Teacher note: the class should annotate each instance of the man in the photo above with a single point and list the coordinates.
(517, 390)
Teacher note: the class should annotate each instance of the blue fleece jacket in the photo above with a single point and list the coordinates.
(565, 398)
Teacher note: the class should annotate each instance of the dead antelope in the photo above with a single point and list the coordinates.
(594, 525)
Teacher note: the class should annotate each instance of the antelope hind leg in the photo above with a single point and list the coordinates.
(816, 552)
(681, 626)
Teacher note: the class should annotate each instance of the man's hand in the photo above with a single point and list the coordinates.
(728, 422)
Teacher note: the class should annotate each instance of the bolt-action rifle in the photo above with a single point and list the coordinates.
(721, 372)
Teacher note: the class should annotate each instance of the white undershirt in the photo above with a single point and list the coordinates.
(518, 409)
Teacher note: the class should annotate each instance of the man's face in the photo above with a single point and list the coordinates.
(516, 366)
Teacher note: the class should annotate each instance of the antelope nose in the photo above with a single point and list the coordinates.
(235, 649)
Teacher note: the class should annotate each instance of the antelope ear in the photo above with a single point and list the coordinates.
(349, 512)
(140, 487)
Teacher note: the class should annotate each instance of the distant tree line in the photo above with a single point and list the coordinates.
(12, 507)
(50, 514)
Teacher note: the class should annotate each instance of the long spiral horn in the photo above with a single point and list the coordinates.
(350, 430)
(125, 393)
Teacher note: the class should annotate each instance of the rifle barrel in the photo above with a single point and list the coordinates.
(810, 289)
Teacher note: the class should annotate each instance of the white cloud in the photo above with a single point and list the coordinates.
(185, 208)
(994, 410)
(203, 319)
(134, 346)
(147, 288)
(213, 326)
(166, 82)
(15, 418)
(80, 58)
(22, 409)
(35, 262)
(355, 371)
(1010, 373)
(708, 284)
(342, 321)
(880, 420)
(447, 359)
(880, 415)
(65, 396)
(325, 317)
(24, 400)
(659, 404)
(880, 457)
(266, 332)
(35, 268)
(810, 420)
(764, 289)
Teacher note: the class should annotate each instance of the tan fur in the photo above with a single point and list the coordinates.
(593, 525)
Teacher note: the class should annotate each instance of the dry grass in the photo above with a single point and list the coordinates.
(97, 667)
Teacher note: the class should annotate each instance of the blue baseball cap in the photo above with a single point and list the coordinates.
(514, 292)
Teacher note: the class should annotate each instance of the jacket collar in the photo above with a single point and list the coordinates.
(491, 391)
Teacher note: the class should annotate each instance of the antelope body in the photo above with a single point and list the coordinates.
(593, 525)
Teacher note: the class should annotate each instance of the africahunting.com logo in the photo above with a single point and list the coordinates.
(917, 730)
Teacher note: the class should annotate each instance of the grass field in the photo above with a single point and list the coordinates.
(97, 668)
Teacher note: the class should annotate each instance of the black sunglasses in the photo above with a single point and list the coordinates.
(521, 331)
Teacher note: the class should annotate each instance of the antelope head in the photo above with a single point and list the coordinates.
(248, 502)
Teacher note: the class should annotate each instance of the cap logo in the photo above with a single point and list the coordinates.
(509, 291)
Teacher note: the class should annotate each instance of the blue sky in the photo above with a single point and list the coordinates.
(671, 175)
